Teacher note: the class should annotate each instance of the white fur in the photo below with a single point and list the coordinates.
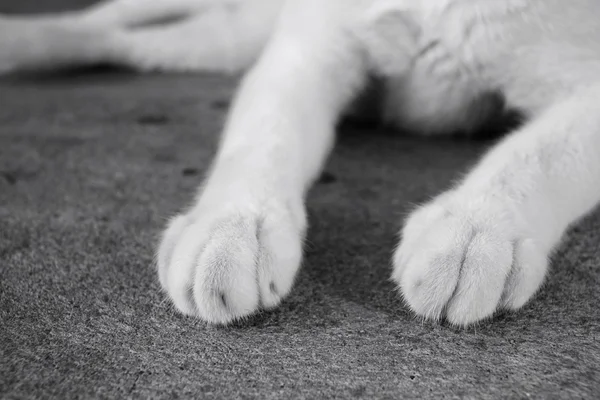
(199, 35)
(481, 246)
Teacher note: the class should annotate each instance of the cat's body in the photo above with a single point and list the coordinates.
(481, 246)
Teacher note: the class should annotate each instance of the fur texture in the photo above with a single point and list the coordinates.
(483, 245)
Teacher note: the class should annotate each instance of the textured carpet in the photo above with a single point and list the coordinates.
(92, 164)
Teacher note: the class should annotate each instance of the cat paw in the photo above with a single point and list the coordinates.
(222, 263)
(462, 261)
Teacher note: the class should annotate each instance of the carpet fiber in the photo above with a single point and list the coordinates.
(92, 164)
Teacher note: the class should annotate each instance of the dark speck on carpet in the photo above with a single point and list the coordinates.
(91, 169)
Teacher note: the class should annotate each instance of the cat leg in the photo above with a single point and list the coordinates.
(121, 14)
(485, 244)
(52, 41)
(135, 13)
(216, 40)
(213, 38)
(239, 246)
(30, 45)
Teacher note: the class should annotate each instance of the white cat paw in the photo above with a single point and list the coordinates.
(224, 262)
(464, 262)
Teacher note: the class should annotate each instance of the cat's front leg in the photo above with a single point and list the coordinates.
(238, 248)
(485, 244)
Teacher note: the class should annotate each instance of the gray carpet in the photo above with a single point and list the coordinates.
(92, 164)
